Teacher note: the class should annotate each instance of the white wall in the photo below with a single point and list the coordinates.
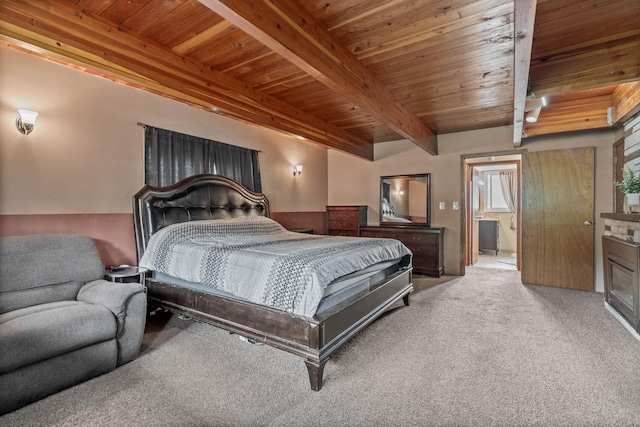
(403, 157)
(85, 154)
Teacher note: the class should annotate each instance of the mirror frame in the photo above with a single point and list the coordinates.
(427, 223)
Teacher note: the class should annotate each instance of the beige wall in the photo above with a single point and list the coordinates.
(402, 157)
(86, 152)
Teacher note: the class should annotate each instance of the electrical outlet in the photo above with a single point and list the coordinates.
(455, 206)
(442, 205)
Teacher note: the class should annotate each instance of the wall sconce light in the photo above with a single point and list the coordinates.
(399, 193)
(25, 121)
(297, 170)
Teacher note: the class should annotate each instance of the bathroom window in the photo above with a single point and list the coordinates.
(493, 198)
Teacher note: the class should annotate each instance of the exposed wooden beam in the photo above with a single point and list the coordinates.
(626, 101)
(525, 13)
(67, 31)
(288, 29)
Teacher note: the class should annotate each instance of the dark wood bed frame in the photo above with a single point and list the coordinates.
(216, 197)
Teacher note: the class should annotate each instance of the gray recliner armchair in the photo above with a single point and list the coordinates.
(60, 322)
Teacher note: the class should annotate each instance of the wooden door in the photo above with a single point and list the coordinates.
(475, 214)
(557, 218)
(472, 203)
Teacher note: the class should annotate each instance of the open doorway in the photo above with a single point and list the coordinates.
(493, 211)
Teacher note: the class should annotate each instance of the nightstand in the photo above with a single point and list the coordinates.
(126, 274)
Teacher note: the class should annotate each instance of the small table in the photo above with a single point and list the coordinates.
(119, 274)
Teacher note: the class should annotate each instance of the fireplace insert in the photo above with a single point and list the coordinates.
(621, 279)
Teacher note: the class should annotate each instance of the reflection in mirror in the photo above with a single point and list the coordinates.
(405, 200)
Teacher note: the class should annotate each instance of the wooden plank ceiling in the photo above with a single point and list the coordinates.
(347, 74)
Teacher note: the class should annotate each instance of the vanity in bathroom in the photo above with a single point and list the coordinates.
(488, 236)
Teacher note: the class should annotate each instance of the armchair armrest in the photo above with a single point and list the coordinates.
(128, 303)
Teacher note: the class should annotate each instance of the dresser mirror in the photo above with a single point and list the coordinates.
(405, 200)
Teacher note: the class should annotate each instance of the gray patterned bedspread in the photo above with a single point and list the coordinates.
(258, 260)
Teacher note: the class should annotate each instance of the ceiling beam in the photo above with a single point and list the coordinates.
(626, 101)
(67, 31)
(289, 30)
(525, 13)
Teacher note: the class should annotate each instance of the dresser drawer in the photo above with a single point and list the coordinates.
(343, 215)
(419, 239)
(424, 252)
(350, 233)
(378, 234)
(343, 225)
(427, 266)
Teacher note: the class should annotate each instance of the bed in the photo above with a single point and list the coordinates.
(389, 213)
(199, 211)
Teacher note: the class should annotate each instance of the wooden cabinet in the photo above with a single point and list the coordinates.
(488, 237)
(427, 245)
(346, 220)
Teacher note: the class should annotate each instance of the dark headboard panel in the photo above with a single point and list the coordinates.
(195, 198)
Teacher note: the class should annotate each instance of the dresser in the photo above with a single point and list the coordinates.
(426, 243)
(346, 220)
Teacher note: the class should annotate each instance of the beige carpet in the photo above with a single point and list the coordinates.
(481, 350)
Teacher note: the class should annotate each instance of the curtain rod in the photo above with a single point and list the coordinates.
(142, 125)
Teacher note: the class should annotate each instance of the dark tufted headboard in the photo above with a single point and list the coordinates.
(195, 198)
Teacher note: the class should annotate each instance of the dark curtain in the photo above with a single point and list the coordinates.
(386, 191)
(172, 156)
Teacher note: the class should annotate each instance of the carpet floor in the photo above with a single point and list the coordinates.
(478, 350)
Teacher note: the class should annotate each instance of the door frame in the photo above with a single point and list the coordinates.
(465, 221)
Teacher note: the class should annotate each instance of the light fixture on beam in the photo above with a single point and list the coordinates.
(297, 170)
(532, 116)
(26, 121)
(533, 103)
(533, 108)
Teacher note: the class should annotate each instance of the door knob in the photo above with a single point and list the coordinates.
(588, 223)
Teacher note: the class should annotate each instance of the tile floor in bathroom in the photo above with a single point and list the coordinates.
(503, 260)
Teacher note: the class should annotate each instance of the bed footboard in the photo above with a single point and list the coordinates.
(312, 339)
